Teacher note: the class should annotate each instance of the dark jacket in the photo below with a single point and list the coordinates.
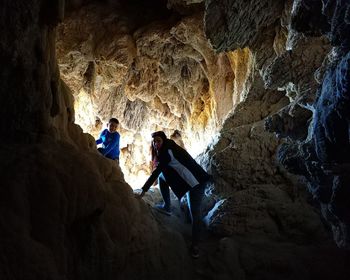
(177, 166)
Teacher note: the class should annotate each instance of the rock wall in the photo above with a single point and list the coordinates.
(301, 50)
(325, 154)
(66, 211)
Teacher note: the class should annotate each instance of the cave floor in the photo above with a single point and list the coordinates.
(253, 256)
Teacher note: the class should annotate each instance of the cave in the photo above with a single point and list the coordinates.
(260, 92)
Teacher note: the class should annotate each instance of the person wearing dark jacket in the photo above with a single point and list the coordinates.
(177, 169)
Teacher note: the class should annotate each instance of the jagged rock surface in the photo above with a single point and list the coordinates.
(238, 24)
(66, 212)
(316, 118)
(160, 75)
(253, 194)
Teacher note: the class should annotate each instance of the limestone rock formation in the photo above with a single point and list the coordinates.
(238, 24)
(66, 212)
(330, 129)
(159, 75)
(253, 194)
(269, 66)
(316, 120)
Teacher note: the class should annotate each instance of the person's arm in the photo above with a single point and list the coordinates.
(151, 179)
(99, 140)
(163, 162)
(141, 194)
(114, 143)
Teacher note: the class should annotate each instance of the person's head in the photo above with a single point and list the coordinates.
(113, 125)
(159, 138)
(176, 134)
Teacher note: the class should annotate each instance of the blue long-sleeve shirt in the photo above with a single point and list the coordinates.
(110, 144)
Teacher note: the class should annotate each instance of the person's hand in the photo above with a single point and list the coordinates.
(140, 195)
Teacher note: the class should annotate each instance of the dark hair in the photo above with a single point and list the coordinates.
(162, 135)
(113, 120)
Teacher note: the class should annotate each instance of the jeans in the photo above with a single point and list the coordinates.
(165, 191)
(194, 200)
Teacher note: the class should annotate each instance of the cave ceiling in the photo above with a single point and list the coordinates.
(150, 65)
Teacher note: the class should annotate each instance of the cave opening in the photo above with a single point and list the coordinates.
(140, 62)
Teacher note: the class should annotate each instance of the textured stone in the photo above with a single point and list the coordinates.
(307, 17)
(253, 194)
(286, 60)
(166, 72)
(331, 131)
(239, 24)
(337, 13)
(292, 121)
(322, 158)
(66, 211)
(297, 66)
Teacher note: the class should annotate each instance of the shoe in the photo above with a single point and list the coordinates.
(162, 209)
(194, 251)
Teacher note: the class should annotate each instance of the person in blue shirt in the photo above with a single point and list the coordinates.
(109, 138)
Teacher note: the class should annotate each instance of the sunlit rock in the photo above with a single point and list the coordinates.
(159, 77)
